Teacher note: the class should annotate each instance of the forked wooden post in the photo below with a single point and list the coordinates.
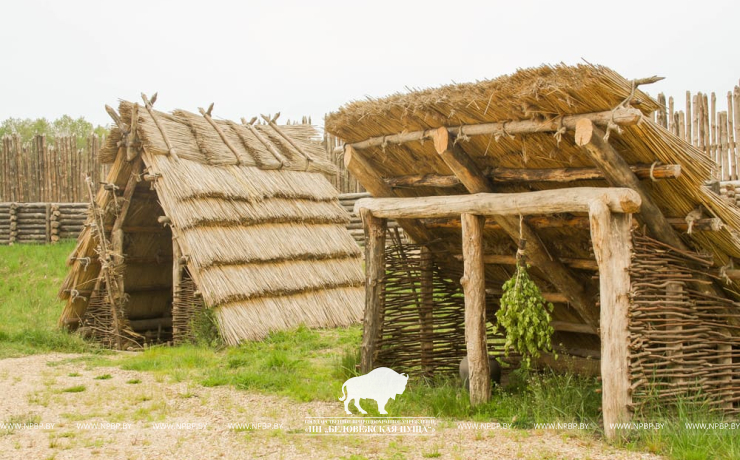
(426, 311)
(610, 235)
(474, 288)
(374, 277)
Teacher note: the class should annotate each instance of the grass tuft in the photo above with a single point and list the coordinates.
(74, 389)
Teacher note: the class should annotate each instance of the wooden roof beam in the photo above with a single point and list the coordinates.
(622, 116)
(363, 171)
(617, 172)
(499, 259)
(577, 222)
(509, 175)
(473, 179)
(557, 201)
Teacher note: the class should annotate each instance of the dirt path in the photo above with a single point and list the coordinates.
(111, 418)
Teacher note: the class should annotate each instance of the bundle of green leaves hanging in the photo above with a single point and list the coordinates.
(524, 314)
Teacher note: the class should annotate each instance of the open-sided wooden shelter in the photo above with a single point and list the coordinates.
(202, 213)
(622, 231)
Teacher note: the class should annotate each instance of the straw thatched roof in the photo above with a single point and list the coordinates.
(259, 226)
(538, 94)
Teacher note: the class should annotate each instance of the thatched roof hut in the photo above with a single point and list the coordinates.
(542, 130)
(199, 213)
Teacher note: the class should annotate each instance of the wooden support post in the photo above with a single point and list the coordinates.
(610, 235)
(374, 279)
(474, 287)
(117, 230)
(48, 222)
(470, 175)
(426, 311)
(176, 281)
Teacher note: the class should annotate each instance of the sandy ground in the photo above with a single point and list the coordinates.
(158, 418)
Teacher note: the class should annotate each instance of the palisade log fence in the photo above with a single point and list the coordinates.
(704, 125)
(48, 171)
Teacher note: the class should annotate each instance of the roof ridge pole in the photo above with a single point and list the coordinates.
(476, 182)
(207, 116)
(148, 104)
(268, 145)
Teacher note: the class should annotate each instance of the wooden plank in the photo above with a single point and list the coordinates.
(375, 230)
(474, 287)
(610, 235)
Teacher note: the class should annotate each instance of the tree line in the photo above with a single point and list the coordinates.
(64, 126)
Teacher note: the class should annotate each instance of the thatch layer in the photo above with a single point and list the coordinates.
(253, 319)
(543, 93)
(256, 243)
(256, 240)
(228, 283)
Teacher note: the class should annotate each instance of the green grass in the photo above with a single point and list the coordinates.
(74, 389)
(31, 276)
(310, 365)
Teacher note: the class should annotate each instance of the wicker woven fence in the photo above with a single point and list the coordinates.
(680, 344)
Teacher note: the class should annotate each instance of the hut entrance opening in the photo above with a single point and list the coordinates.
(132, 299)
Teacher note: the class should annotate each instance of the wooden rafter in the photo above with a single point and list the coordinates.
(514, 175)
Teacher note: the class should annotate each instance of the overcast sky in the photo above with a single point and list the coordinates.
(310, 57)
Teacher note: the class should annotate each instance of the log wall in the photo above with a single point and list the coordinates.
(40, 222)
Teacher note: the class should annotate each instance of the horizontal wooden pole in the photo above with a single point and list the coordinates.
(622, 117)
(135, 229)
(496, 259)
(619, 200)
(565, 326)
(152, 323)
(577, 222)
(554, 297)
(509, 175)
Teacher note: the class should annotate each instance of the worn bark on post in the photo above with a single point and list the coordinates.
(474, 288)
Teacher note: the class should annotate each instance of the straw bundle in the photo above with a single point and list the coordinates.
(266, 248)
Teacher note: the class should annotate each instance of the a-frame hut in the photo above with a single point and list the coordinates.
(622, 226)
(202, 213)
